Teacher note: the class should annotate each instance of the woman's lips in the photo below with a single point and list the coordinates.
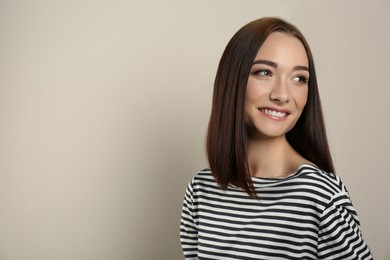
(275, 113)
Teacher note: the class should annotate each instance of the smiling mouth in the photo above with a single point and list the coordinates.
(273, 112)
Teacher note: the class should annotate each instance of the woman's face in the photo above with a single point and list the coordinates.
(277, 88)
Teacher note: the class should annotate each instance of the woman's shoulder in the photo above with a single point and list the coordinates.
(203, 180)
(314, 176)
(203, 177)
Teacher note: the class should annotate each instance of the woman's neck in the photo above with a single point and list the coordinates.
(272, 158)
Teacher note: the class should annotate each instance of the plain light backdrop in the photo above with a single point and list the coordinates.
(104, 107)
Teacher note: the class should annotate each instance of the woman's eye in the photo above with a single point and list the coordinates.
(263, 73)
(301, 79)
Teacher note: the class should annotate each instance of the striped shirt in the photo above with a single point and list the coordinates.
(307, 215)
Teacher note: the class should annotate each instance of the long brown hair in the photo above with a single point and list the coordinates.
(227, 134)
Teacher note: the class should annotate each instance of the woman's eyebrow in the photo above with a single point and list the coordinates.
(266, 62)
(301, 68)
(275, 65)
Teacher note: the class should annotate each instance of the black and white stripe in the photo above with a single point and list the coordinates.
(308, 215)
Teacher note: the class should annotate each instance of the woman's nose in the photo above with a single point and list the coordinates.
(280, 93)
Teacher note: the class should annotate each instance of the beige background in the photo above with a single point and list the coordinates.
(104, 107)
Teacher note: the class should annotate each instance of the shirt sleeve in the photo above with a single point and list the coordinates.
(188, 227)
(340, 236)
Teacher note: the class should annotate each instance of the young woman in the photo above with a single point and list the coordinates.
(270, 192)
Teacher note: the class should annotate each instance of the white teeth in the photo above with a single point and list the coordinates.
(273, 113)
